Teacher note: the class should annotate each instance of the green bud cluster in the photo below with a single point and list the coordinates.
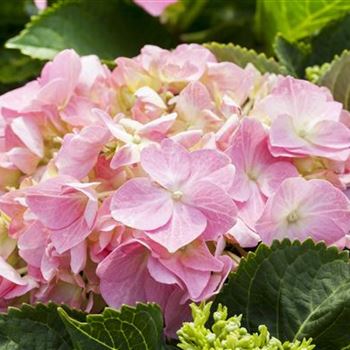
(227, 333)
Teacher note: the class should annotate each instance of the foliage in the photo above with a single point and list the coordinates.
(336, 78)
(42, 327)
(77, 24)
(296, 19)
(242, 56)
(320, 48)
(297, 290)
(228, 333)
(35, 327)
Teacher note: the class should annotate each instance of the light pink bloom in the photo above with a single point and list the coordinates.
(180, 201)
(195, 109)
(154, 7)
(66, 207)
(258, 173)
(148, 105)
(134, 136)
(305, 121)
(300, 209)
(227, 79)
(80, 151)
(182, 65)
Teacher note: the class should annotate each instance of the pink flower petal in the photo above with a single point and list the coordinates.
(127, 285)
(169, 165)
(141, 204)
(215, 204)
(79, 152)
(126, 155)
(185, 225)
(29, 133)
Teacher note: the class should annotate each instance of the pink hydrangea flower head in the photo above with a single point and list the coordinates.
(77, 204)
(300, 209)
(180, 200)
(305, 121)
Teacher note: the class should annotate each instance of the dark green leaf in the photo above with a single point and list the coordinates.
(106, 28)
(297, 290)
(242, 56)
(15, 67)
(296, 19)
(294, 56)
(36, 327)
(297, 56)
(131, 328)
(337, 79)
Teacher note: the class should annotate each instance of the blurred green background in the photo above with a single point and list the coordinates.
(296, 33)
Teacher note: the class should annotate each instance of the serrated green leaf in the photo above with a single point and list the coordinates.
(106, 28)
(35, 327)
(242, 56)
(296, 19)
(330, 41)
(337, 79)
(296, 290)
(131, 328)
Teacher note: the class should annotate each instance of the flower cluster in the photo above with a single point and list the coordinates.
(126, 185)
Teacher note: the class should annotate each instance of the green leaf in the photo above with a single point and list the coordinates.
(337, 79)
(36, 327)
(106, 28)
(296, 19)
(294, 56)
(297, 290)
(242, 56)
(297, 56)
(131, 328)
(15, 67)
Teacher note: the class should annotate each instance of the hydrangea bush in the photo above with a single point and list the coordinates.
(126, 184)
(133, 190)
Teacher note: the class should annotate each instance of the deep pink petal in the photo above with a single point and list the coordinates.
(123, 273)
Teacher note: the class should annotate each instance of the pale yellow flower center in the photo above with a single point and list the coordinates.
(293, 217)
(177, 195)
